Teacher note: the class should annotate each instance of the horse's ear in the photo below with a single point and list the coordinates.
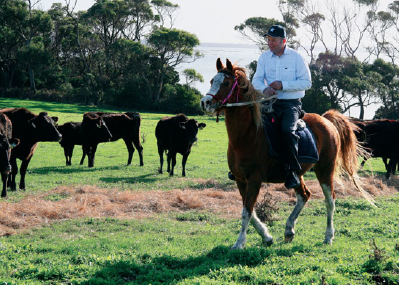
(229, 65)
(219, 64)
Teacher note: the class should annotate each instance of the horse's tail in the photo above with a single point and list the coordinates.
(350, 149)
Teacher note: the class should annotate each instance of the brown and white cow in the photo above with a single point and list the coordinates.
(29, 129)
(6, 143)
(124, 126)
(176, 135)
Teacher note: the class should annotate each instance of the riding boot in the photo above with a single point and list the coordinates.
(291, 179)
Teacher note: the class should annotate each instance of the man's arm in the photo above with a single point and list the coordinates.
(258, 81)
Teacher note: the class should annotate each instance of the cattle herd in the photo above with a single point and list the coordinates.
(21, 130)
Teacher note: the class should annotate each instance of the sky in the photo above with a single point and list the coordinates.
(212, 21)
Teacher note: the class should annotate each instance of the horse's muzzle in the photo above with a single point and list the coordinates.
(207, 106)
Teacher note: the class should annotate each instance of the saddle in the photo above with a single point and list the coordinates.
(307, 149)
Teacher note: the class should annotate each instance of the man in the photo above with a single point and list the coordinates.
(284, 72)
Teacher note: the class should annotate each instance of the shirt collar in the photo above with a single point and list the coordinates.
(287, 50)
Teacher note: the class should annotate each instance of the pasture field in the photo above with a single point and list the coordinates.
(193, 248)
(190, 246)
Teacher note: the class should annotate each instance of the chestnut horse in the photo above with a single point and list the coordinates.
(248, 151)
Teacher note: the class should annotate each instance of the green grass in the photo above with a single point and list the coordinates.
(190, 247)
(194, 248)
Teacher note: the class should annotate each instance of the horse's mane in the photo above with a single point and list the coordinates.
(249, 93)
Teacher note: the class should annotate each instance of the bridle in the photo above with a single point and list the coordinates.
(231, 92)
(221, 103)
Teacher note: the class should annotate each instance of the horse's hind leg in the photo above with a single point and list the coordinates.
(330, 205)
(302, 196)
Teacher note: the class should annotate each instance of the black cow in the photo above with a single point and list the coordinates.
(124, 126)
(71, 136)
(93, 130)
(380, 137)
(29, 129)
(176, 135)
(6, 142)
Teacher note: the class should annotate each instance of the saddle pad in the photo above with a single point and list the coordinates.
(307, 149)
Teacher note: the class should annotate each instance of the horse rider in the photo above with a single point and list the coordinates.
(283, 71)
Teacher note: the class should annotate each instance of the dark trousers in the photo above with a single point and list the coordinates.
(287, 114)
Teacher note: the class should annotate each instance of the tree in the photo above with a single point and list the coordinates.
(140, 18)
(192, 76)
(26, 27)
(165, 11)
(387, 88)
(360, 85)
(328, 72)
(255, 28)
(171, 47)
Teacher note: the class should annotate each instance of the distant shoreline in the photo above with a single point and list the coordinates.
(228, 45)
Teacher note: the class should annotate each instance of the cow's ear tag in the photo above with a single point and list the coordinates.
(14, 142)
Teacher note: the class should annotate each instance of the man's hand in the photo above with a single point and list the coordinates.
(276, 85)
(269, 91)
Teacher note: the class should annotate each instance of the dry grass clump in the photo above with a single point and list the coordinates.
(266, 208)
(90, 201)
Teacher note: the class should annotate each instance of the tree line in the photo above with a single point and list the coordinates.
(124, 53)
(117, 53)
(353, 48)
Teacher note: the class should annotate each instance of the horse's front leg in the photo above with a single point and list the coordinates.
(262, 230)
(249, 192)
(302, 196)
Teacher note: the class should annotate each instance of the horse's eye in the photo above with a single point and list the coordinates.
(226, 83)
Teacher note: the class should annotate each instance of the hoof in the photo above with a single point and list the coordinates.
(236, 247)
(289, 238)
(268, 243)
(328, 242)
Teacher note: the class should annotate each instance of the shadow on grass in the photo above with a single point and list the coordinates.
(69, 169)
(146, 178)
(170, 270)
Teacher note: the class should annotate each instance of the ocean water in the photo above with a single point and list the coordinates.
(242, 55)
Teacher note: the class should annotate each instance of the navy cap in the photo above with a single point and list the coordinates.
(276, 31)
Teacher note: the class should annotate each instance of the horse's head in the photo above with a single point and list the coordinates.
(224, 87)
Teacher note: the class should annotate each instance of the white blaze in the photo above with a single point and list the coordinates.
(217, 81)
